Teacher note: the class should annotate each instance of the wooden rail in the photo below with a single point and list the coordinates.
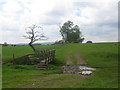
(45, 57)
(42, 57)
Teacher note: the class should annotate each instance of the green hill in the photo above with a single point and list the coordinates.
(104, 56)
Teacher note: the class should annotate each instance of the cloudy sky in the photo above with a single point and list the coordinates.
(97, 19)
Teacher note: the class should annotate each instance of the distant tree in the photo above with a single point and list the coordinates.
(71, 33)
(89, 42)
(59, 42)
(33, 34)
(14, 45)
(5, 44)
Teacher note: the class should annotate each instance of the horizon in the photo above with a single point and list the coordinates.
(45, 43)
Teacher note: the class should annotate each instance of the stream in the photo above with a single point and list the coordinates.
(78, 69)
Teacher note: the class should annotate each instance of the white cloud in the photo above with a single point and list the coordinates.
(96, 18)
(11, 7)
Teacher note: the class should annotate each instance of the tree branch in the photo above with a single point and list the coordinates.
(33, 34)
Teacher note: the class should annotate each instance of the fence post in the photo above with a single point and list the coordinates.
(47, 55)
(13, 58)
(53, 54)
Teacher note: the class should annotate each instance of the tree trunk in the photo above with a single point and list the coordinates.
(30, 44)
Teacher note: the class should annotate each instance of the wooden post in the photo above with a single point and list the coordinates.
(47, 55)
(53, 55)
(13, 58)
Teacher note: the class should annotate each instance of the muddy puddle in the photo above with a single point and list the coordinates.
(78, 69)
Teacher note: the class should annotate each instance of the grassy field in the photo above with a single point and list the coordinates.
(104, 56)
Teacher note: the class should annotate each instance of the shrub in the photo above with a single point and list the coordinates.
(89, 42)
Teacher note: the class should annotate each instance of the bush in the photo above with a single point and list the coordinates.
(89, 42)
(26, 60)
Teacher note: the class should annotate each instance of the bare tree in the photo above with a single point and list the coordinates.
(33, 34)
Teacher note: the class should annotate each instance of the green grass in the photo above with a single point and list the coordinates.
(18, 51)
(15, 75)
(8, 51)
(102, 55)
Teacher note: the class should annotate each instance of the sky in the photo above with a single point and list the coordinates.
(97, 19)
